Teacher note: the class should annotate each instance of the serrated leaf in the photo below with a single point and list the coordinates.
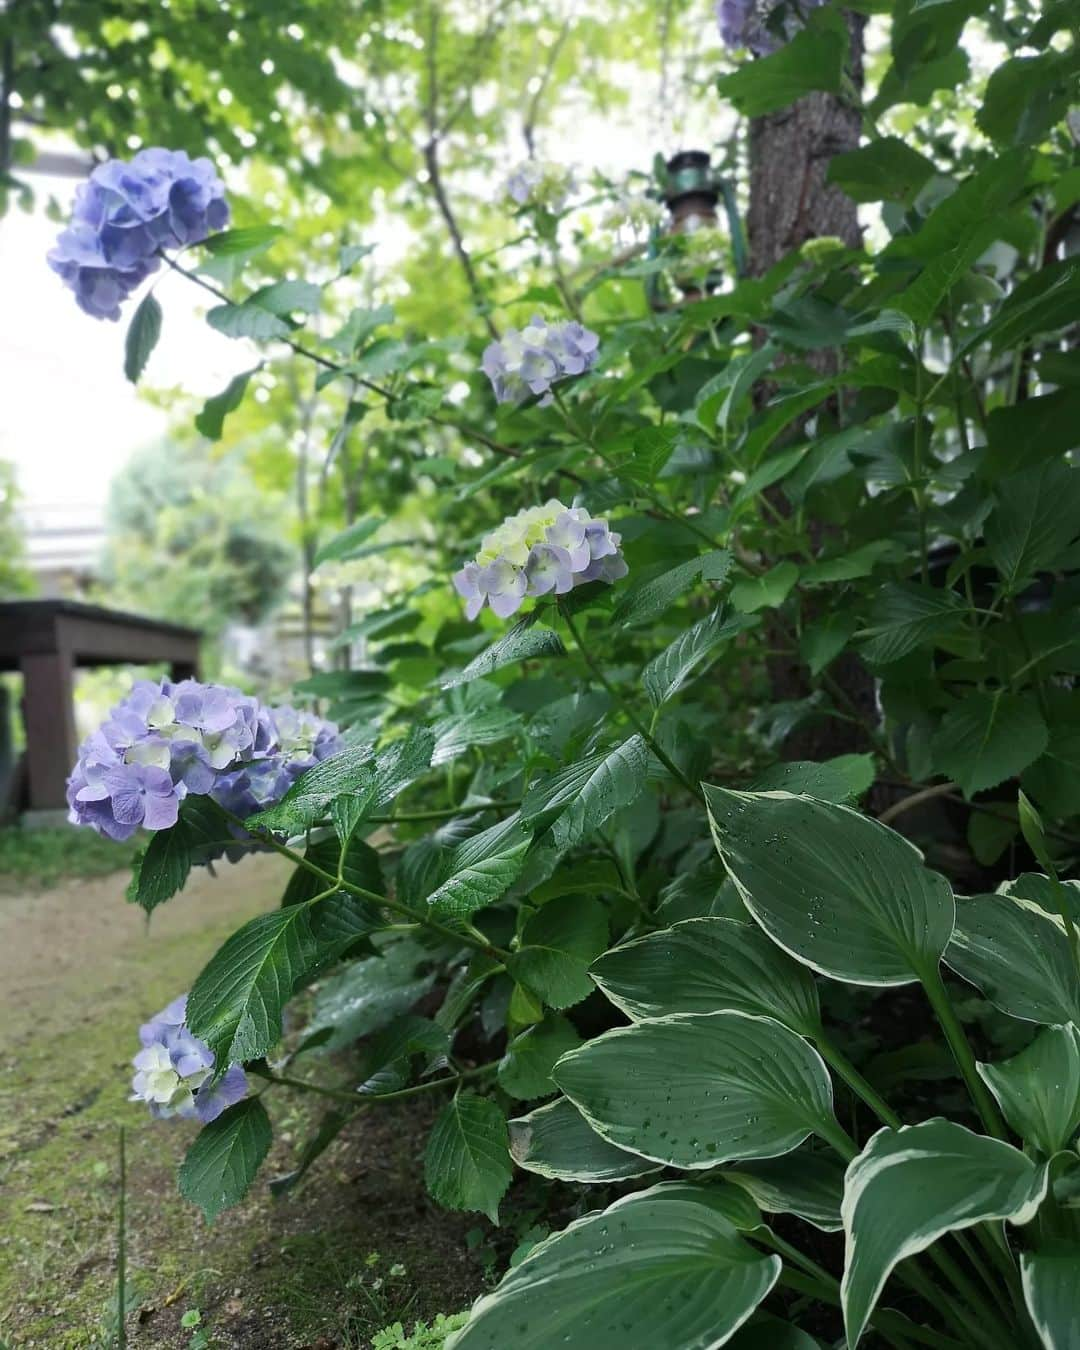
(693, 1090)
(163, 868)
(768, 591)
(247, 321)
(988, 738)
(809, 1184)
(906, 616)
(370, 993)
(244, 240)
(210, 420)
(812, 60)
(343, 545)
(844, 895)
(1038, 1090)
(461, 731)
(467, 1160)
(236, 1002)
(142, 336)
(1036, 517)
(579, 798)
(1018, 957)
(1049, 1278)
(709, 965)
(690, 654)
(669, 1271)
(328, 1129)
(557, 1142)
(221, 1164)
(910, 1186)
(1023, 436)
(480, 869)
(525, 1069)
(558, 945)
(641, 604)
(524, 642)
(357, 781)
(287, 297)
(886, 170)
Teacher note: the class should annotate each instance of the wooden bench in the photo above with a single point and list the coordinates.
(47, 640)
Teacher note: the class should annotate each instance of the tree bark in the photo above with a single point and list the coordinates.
(790, 202)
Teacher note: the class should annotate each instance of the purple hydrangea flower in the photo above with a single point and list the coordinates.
(167, 740)
(549, 548)
(531, 360)
(746, 23)
(125, 214)
(540, 182)
(174, 1069)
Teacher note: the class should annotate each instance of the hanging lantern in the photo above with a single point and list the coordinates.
(691, 191)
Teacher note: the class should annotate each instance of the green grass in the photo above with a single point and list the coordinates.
(40, 858)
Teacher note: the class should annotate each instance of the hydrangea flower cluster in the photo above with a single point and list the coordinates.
(531, 360)
(125, 214)
(541, 182)
(635, 212)
(173, 1069)
(745, 23)
(540, 549)
(167, 740)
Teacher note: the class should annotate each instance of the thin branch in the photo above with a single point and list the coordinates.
(532, 113)
(916, 799)
(431, 160)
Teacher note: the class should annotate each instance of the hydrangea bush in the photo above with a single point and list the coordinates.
(702, 844)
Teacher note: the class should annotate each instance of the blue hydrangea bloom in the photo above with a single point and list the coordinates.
(745, 23)
(125, 214)
(173, 1070)
(167, 740)
(540, 182)
(542, 549)
(531, 360)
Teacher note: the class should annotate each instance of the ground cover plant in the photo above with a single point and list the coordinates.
(603, 837)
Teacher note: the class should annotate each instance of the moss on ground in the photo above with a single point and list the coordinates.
(356, 1247)
(36, 859)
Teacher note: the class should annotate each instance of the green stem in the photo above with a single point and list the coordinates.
(962, 1052)
(986, 1234)
(639, 726)
(444, 813)
(121, 1248)
(339, 883)
(881, 1319)
(920, 494)
(357, 1099)
(650, 496)
(841, 1065)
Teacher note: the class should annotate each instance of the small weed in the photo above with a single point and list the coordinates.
(424, 1336)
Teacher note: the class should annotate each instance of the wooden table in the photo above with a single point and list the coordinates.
(47, 640)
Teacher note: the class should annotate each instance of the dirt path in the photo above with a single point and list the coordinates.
(79, 969)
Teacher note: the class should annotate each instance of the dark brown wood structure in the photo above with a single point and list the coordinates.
(47, 640)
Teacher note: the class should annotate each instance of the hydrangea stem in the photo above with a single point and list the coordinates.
(358, 1099)
(340, 884)
(642, 730)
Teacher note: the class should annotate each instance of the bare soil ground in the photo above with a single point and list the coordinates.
(355, 1247)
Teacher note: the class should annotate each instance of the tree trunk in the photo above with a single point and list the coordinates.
(791, 202)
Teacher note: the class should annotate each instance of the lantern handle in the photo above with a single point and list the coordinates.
(738, 239)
